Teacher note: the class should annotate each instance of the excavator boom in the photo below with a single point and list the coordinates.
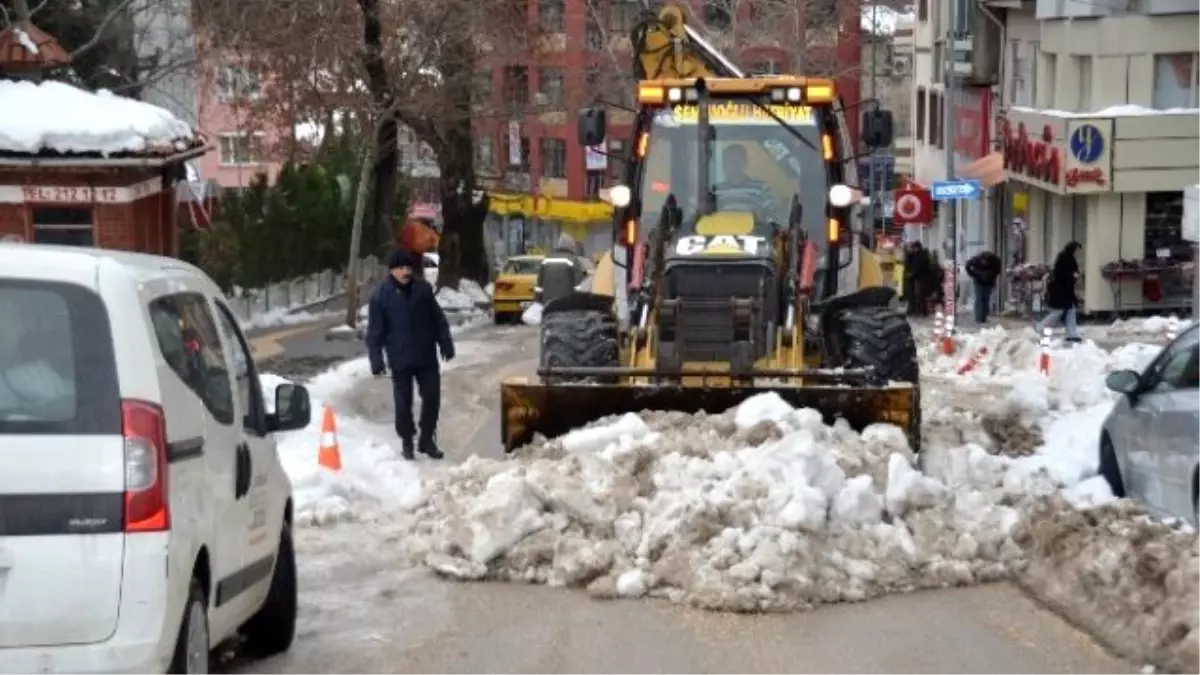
(666, 47)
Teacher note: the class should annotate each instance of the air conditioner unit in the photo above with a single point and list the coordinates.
(901, 66)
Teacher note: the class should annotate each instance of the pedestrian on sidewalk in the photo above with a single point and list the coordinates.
(984, 268)
(917, 268)
(1060, 293)
(406, 323)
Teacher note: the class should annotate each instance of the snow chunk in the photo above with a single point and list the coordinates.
(532, 316)
(453, 300)
(473, 291)
(57, 117)
(598, 438)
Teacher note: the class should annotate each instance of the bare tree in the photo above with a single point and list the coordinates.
(407, 62)
(127, 46)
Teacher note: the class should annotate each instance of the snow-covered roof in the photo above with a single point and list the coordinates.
(59, 118)
(1123, 110)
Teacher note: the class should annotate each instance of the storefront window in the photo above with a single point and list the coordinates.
(67, 226)
(1164, 220)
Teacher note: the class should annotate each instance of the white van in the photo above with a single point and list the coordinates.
(144, 514)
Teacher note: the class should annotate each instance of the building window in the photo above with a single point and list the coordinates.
(923, 10)
(593, 83)
(554, 158)
(481, 89)
(550, 86)
(484, 159)
(516, 85)
(594, 33)
(550, 13)
(70, 226)
(921, 132)
(718, 14)
(1164, 227)
(1176, 81)
(595, 182)
(240, 148)
(1083, 67)
(1049, 66)
(237, 83)
(616, 150)
(766, 67)
(935, 120)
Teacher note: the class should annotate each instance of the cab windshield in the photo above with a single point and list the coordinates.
(755, 165)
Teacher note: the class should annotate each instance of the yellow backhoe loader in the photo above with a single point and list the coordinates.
(734, 270)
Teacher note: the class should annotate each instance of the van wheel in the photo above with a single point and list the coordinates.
(191, 647)
(273, 628)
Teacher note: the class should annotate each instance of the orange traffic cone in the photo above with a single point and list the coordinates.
(330, 454)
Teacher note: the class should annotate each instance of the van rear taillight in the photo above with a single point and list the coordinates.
(145, 432)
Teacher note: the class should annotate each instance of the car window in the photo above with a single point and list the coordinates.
(57, 363)
(523, 266)
(189, 342)
(1177, 367)
(249, 391)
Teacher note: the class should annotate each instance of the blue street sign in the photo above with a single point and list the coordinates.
(954, 190)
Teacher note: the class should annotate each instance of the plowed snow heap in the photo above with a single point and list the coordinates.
(761, 508)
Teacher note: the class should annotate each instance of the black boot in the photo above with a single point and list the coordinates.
(407, 449)
(429, 447)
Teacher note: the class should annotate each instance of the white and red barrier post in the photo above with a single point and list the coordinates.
(1044, 358)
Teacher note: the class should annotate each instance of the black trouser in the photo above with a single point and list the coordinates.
(429, 386)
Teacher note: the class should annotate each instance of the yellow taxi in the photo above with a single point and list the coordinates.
(513, 291)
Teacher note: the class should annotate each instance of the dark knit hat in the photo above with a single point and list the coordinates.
(400, 258)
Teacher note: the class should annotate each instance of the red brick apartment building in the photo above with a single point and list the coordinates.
(586, 56)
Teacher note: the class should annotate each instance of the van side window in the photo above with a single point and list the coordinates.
(249, 391)
(188, 339)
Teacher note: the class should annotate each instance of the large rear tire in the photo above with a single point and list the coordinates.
(881, 339)
(579, 338)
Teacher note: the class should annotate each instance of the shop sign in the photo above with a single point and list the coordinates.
(81, 194)
(1035, 158)
(971, 131)
(1089, 156)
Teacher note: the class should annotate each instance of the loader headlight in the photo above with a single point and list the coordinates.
(620, 196)
(839, 195)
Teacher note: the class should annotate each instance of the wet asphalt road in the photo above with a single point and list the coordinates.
(361, 612)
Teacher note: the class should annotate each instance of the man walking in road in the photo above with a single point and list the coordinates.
(984, 268)
(406, 323)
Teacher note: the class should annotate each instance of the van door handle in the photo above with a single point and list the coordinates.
(241, 483)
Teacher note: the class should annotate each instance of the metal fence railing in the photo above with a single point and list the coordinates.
(300, 293)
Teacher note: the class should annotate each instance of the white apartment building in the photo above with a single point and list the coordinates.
(1100, 135)
(976, 67)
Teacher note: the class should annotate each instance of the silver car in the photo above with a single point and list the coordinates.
(1150, 442)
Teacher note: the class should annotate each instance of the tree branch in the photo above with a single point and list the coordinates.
(96, 37)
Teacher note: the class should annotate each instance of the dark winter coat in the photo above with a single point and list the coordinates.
(918, 265)
(985, 267)
(406, 323)
(1060, 289)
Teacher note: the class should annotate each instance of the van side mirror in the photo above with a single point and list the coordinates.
(293, 409)
(592, 126)
(877, 128)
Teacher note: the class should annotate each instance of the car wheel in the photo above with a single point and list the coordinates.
(1109, 467)
(191, 647)
(500, 318)
(273, 628)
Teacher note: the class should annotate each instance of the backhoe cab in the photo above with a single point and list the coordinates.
(741, 275)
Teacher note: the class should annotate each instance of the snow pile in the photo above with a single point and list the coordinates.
(1150, 327)
(453, 300)
(475, 292)
(57, 117)
(284, 317)
(1121, 576)
(762, 508)
(373, 477)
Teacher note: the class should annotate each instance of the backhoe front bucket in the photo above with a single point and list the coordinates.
(529, 408)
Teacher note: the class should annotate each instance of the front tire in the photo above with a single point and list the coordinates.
(192, 645)
(579, 338)
(880, 338)
(272, 629)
